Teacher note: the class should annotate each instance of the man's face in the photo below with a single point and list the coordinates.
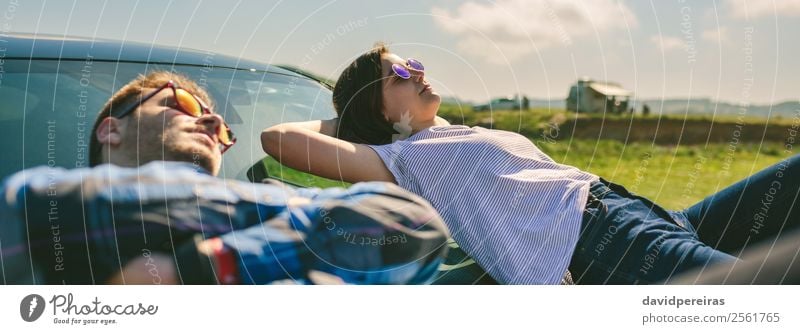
(159, 131)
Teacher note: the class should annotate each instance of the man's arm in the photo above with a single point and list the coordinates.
(392, 234)
(355, 236)
(57, 226)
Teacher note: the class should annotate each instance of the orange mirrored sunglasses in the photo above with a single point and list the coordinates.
(191, 105)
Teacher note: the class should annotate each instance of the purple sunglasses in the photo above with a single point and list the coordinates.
(403, 72)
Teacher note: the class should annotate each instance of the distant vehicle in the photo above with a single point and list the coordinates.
(589, 96)
(499, 104)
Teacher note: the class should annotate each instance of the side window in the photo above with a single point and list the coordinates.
(48, 109)
(255, 101)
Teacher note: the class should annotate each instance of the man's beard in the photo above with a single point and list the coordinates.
(177, 150)
(193, 156)
(170, 147)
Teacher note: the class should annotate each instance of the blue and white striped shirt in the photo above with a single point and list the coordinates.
(507, 204)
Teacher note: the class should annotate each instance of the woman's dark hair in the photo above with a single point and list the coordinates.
(358, 99)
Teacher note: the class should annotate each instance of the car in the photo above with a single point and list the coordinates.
(499, 104)
(52, 88)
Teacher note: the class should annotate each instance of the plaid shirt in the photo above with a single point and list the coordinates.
(81, 226)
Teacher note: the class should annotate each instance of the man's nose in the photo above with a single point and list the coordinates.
(212, 122)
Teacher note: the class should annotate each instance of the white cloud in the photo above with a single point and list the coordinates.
(667, 43)
(517, 27)
(744, 9)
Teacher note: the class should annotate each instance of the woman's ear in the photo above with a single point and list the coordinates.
(108, 132)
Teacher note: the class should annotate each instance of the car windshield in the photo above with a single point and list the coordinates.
(49, 106)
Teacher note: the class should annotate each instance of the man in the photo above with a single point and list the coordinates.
(151, 210)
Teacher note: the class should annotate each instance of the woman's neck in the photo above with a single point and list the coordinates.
(436, 121)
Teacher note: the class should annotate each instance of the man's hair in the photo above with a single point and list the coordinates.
(133, 91)
(358, 100)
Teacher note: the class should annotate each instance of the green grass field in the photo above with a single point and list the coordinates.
(674, 176)
(293, 176)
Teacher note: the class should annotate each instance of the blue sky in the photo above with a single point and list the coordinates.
(732, 50)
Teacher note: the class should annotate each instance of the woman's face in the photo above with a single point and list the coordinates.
(409, 101)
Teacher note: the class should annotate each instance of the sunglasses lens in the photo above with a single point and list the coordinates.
(188, 103)
(415, 64)
(225, 135)
(401, 71)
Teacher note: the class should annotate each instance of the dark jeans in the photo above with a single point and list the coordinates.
(627, 239)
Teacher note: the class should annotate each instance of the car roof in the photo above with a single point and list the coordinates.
(45, 46)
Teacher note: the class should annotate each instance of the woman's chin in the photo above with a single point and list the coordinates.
(434, 100)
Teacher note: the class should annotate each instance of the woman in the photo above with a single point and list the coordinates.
(522, 216)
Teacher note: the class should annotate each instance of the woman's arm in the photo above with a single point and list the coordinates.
(311, 147)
